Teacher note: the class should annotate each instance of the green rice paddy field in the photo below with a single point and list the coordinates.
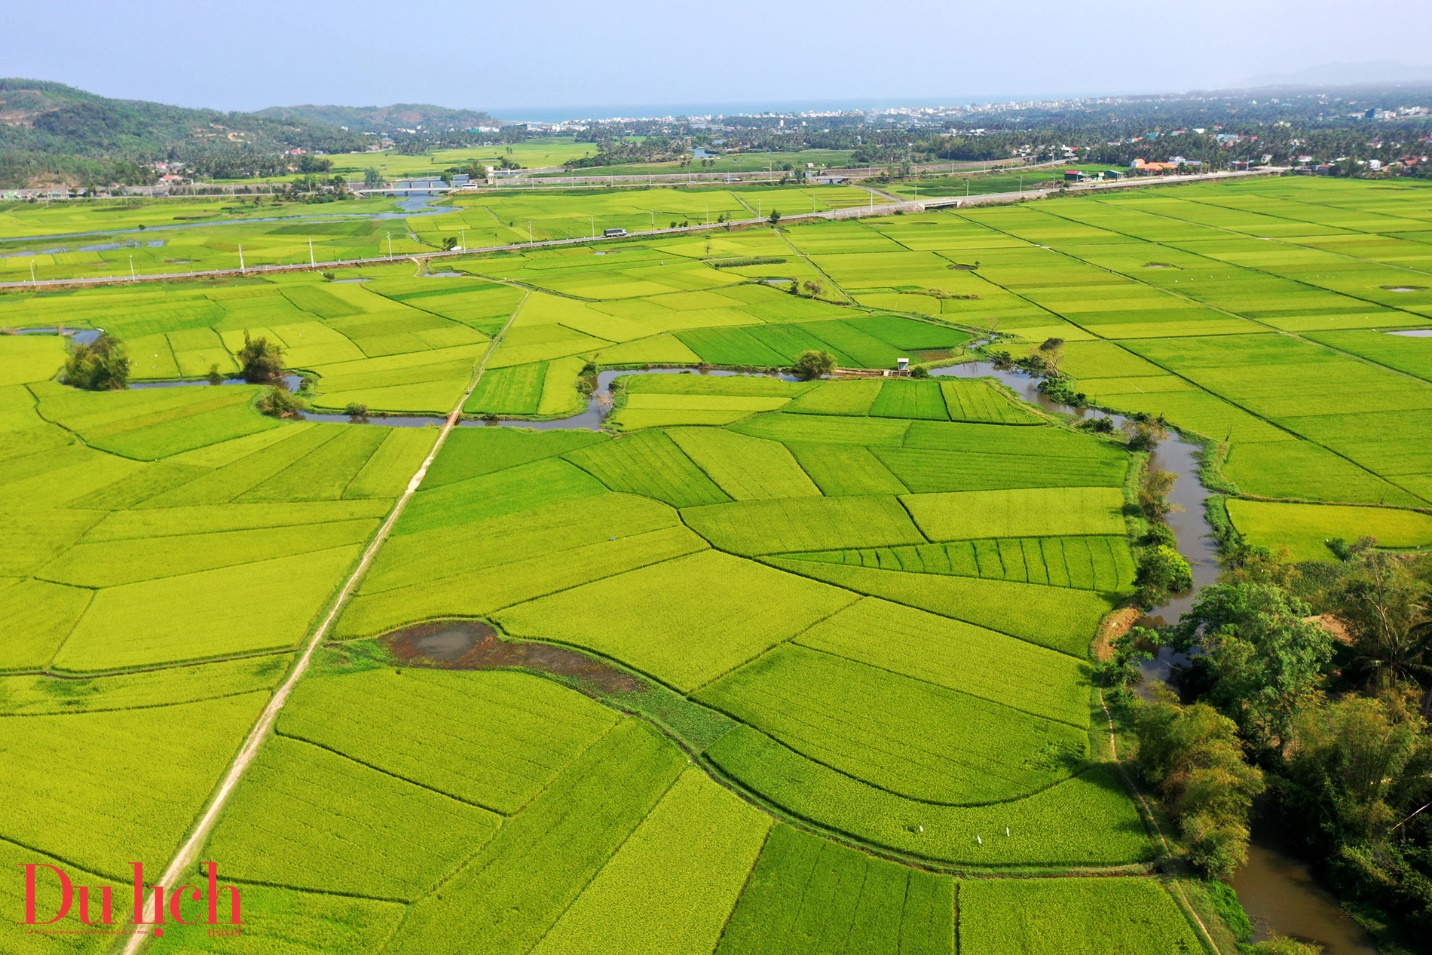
(539, 153)
(783, 667)
(103, 237)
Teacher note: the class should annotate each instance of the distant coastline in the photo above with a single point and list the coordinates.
(557, 114)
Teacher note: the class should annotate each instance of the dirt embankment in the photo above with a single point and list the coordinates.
(1114, 625)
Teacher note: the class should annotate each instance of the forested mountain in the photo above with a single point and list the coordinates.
(52, 131)
(52, 117)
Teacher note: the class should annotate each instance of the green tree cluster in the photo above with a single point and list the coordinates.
(1192, 756)
(1258, 656)
(260, 361)
(279, 402)
(1359, 777)
(100, 365)
(1388, 612)
(814, 364)
(1122, 670)
(1162, 571)
(1325, 670)
(1144, 433)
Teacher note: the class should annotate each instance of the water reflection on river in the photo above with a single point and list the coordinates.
(1281, 896)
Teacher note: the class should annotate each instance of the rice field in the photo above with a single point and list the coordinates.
(1072, 915)
(792, 658)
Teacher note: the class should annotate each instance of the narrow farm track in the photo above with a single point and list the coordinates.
(188, 851)
(855, 212)
(1154, 823)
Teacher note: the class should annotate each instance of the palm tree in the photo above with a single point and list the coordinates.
(1389, 614)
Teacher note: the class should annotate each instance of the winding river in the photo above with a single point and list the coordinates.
(1277, 890)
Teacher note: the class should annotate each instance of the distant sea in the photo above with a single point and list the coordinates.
(557, 114)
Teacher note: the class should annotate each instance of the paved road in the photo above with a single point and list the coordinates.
(854, 212)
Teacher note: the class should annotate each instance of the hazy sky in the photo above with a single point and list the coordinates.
(538, 53)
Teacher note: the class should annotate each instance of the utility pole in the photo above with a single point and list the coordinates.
(241, 259)
(311, 262)
(653, 218)
(708, 214)
(32, 269)
(529, 233)
(390, 246)
(132, 276)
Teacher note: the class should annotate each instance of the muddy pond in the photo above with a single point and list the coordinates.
(473, 645)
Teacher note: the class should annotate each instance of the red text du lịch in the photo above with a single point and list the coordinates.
(172, 907)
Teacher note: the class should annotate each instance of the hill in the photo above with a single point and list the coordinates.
(52, 117)
(53, 132)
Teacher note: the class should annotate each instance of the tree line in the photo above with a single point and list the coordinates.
(1309, 685)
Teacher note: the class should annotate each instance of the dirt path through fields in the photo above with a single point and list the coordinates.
(189, 850)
